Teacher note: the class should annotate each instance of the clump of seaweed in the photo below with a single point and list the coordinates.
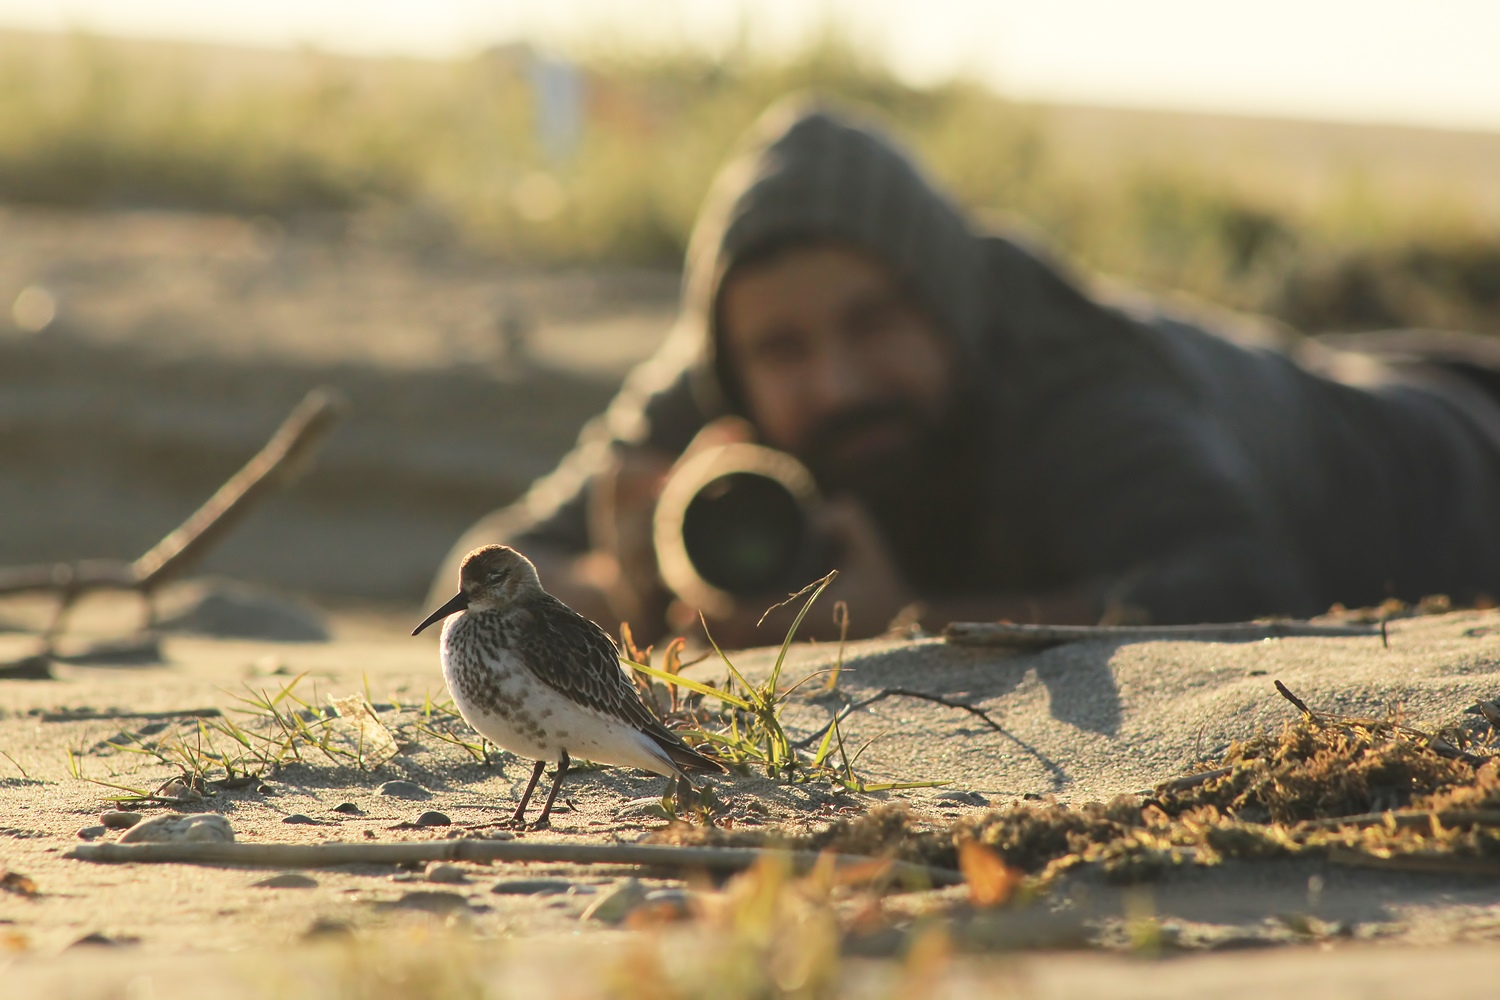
(1318, 769)
(1363, 791)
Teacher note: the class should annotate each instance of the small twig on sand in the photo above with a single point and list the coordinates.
(924, 696)
(413, 852)
(284, 458)
(1006, 635)
(280, 461)
(884, 693)
(1298, 702)
(1430, 741)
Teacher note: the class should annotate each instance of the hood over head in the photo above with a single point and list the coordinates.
(809, 172)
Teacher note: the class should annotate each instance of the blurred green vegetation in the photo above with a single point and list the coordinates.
(448, 153)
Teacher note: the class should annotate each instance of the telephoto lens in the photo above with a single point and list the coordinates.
(733, 523)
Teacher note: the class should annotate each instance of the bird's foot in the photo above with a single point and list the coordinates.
(684, 792)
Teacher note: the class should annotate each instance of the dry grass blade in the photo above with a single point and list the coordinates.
(841, 619)
(817, 587)
(707, 690)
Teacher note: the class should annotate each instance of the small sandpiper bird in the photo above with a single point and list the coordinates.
(537, 678)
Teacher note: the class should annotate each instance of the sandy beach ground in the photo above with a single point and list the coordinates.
(180, 341)
(1080, 722)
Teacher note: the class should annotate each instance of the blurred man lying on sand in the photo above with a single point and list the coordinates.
(992, 442)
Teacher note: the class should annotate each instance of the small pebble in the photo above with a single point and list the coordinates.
(179, 789)
(116, 820)
(613, 907)
(286, 880)
(430, 900)
(431, 818)
(264, 789)
(348, 809)
(969, 798)
(404, 790)
(649, 807)
(531, 886)
(445, 873)
(97, 939)
(199, 828)
(671, 904)
(326, 927)
(301, 819)
(90, 832)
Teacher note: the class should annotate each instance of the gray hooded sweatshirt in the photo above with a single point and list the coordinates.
(1163, 468)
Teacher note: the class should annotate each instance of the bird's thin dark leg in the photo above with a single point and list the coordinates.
(562, 769)
(683, 790)
(519, 816)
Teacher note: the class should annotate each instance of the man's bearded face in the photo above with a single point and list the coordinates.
(839, 365)
(869, 449)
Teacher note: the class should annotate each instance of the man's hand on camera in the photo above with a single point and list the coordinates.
(620, 568)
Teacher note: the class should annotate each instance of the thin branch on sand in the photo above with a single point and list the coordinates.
(282, 459)
(1009, 636)
(285, 457)
(415, 852)
(885, 693)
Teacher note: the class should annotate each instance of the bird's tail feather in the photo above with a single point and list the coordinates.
(691, 761)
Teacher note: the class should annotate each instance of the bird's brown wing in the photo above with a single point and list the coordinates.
(576, 658)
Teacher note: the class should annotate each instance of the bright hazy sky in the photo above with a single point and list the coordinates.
(1416, 61)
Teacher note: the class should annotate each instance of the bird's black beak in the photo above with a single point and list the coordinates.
(458, 603)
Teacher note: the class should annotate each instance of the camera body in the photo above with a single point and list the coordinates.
(734, 523)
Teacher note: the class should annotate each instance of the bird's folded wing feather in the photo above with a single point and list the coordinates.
(576, 658)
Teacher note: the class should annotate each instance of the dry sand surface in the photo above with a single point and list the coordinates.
(1084, 721)
(181, 340)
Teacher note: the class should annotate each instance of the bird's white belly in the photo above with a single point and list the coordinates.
(514, 710)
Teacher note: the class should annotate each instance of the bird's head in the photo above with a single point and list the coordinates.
(491, 578)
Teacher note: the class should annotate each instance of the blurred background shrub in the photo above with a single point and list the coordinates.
(1329, 227)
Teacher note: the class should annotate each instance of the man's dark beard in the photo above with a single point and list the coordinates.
(878, 477)
(925, 495)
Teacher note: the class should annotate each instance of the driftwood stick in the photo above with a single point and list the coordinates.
(1009, 636)
(1413, 818)
(327, 855)
(1421, 864)
(281, 461)
(278, 463)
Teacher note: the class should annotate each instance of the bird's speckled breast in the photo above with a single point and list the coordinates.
(493, 690)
